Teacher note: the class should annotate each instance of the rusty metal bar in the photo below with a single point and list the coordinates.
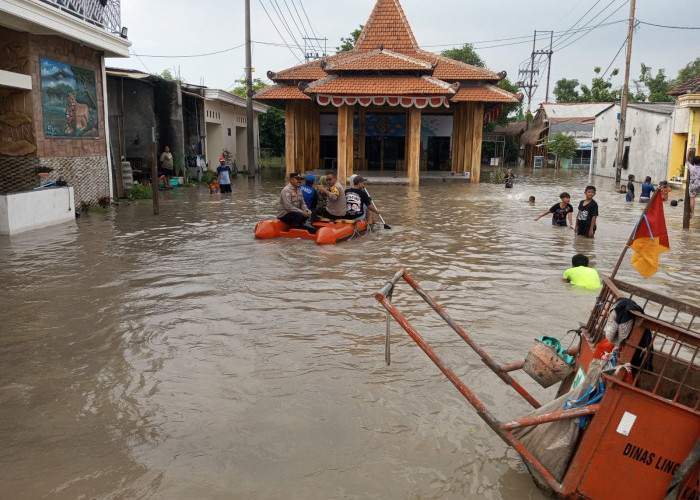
(550, 417)
(488, 360)
(511, 367)
(481, 410)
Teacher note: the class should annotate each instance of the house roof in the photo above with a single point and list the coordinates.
(378, 85)
(583, 111)
(692, 86)
(485, 93)
(386, 48)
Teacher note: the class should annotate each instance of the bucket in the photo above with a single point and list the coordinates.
(544, 364)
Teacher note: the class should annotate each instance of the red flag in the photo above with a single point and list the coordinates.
(650, 238)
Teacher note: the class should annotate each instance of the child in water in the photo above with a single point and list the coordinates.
(664, 189)
(647, 189)
(580, 274)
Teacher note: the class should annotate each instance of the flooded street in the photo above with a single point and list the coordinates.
(176, 357)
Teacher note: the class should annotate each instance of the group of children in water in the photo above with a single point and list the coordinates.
(647, 189)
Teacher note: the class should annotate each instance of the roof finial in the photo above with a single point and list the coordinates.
(381, 47)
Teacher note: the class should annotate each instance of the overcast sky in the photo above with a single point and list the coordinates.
(501, 31)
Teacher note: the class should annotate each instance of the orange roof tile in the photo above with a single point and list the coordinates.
(285, 92)
(308, 71)
(380, 85)
(387, 27)
(486, 93)
(378, 60)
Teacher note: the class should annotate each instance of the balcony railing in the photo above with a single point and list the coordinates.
(105, 14)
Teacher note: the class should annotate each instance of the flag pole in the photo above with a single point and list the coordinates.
(629, 240)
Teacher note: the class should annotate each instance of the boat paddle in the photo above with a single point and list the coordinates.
(386, 226)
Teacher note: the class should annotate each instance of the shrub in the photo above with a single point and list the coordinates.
(140, 192)
(207, 177)
(85, 205)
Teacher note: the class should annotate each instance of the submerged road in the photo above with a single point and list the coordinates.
(176, 357)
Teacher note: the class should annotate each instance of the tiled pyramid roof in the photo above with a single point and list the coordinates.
(386, 46)
(379, 85)
(387, 28)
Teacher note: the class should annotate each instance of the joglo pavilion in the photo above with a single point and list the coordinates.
(386, 105)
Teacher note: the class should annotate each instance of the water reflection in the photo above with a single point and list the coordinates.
(174, 356)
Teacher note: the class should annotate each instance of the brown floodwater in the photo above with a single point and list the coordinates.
(176, 357)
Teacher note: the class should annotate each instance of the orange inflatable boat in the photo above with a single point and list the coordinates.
(327, 233)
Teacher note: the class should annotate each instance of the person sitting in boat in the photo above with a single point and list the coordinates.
(321, 197)
(309, 192)
(358, 201)
(336, 206)
(292, 208)
(580, 274)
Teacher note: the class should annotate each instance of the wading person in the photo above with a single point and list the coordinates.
(580, 274)
(560, 212)
(693, 182)
(587, 214)
(292, 208)
(223, 176)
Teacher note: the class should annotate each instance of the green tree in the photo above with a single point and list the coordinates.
(167, 75)
(271, 124)
(240, 89)
(652, 88)
(466, 54)
(562, 146)
(348, 43)
(691, 70)
(272, 131)
(565, 90)
(601, 89)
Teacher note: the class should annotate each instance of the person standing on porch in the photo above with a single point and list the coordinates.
(336, 205)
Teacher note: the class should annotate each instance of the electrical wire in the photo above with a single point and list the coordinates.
(561, 42)
(143, 63)
(280, 15)
(613, 59)
(278, 31)
(594, 27)
(671, 27)
(195, 55)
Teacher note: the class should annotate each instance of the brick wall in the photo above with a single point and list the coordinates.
(82, 162)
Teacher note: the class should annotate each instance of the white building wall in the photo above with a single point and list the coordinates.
(19, 213)
(647, 135)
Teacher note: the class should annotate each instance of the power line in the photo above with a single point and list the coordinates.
(613, 59)
(594, 27)
(562, 41)
(671, 27)
(280, 15)
(143, 63)
(194, 55)
(278, 31)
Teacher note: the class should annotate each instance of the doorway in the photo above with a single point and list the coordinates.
(383, 152)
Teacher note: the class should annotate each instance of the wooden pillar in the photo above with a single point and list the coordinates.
(345, 136)
(290, 137)
(315, 137)
(458, 133)
(361, 136)
(413, 146)
(467, 134)
(477, 120)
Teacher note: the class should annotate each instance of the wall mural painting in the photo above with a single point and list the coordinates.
(69, 100)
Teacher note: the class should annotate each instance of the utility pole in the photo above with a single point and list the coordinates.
(623, 103)
(527, 76)
(252, 164)
(549, 63)
(308, 43)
